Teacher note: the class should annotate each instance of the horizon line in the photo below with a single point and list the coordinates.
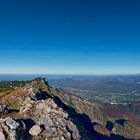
(70, 74)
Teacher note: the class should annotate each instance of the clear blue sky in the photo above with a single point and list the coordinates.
(70, 36)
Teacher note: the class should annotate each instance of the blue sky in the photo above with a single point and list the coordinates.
(70, 36)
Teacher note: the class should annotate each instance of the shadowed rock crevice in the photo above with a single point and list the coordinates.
(121, 121)
(42, 95)
(109, 125)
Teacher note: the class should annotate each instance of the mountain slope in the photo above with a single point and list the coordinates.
(36, 111)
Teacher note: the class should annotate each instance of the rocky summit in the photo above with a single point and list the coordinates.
(37, 111)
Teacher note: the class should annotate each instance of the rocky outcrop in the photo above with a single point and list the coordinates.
(4, 109)
(10, 129)
(40, 120)
(52, 122)
(35, 94)
(35, 130)
(2, 136)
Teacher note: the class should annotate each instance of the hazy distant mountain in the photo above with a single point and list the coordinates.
(113, 83)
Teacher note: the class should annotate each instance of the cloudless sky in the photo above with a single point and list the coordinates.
(70, 36)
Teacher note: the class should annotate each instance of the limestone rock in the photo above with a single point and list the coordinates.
(2, 136)
(4, 108)
(11, 129)
(35, 130)
(11, 123)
